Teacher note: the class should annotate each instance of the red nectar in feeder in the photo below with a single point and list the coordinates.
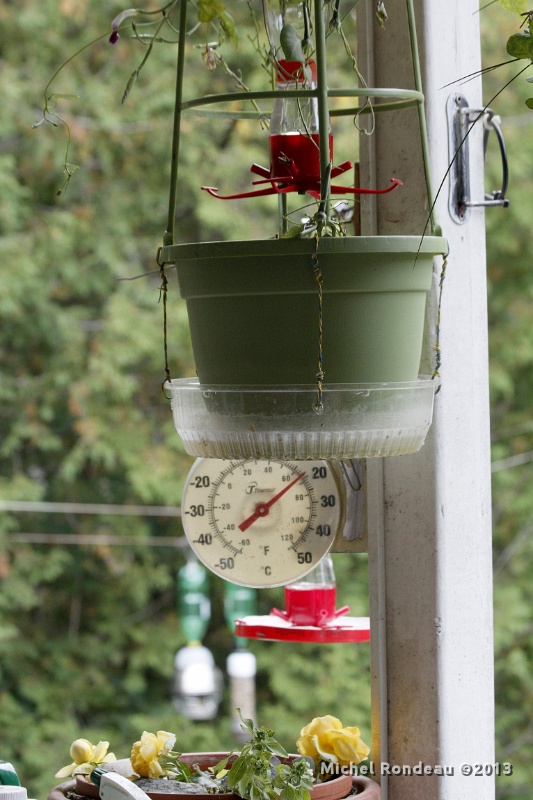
(310, 605)
(312, 600)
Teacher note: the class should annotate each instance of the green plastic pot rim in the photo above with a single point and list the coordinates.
(433, 245)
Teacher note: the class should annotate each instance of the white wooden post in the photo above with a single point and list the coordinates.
(429, 513)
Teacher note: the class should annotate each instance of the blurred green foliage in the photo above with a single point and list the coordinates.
(88, 634)
(510, 286)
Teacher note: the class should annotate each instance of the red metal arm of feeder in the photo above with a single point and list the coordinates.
(213, 191)
(288, 184)
(355, 190)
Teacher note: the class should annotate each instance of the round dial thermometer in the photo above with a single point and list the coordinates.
(261, 523)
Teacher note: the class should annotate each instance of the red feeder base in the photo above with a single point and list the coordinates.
(275, 629)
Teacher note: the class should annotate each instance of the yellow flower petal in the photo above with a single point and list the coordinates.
(149, 746)
(81, 751)
(347, 745)
(306, 747)
(324, 751)
(65, 772)
(166, 742)
(319, 725)
(83, 769)
(155, 770)
(99, 752)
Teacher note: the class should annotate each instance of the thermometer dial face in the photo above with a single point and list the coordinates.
(261, 523)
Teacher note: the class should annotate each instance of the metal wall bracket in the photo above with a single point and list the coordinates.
(461, 117)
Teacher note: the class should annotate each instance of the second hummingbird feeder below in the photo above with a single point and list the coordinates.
(310, 614)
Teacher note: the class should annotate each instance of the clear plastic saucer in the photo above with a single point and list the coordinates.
(363, 420)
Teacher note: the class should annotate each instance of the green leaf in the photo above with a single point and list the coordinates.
(291, 44)
(255, 793)
(276, 748)
(288, 793)
(516, 6)
(183, 771)
(228, 26)
(221, 764)
(209, 10)
(235, 774)
(293, 232)
(246, 779)
(520, 45)
(246, 724)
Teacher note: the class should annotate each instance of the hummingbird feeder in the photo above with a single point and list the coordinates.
(310, 614)
(294, 142)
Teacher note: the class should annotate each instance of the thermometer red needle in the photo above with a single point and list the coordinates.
(262, 509)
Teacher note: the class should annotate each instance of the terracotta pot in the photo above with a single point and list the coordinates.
(335, 789)
(364, 788)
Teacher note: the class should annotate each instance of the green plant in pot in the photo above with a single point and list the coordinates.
(326, 768)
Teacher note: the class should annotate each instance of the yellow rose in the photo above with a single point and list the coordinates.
(85, 757)
(324, 739)
(145, 753)
(317, 728)
(81, 751)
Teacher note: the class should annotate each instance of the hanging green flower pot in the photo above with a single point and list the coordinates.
(255, 314)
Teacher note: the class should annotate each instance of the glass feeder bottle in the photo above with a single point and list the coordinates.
(294, 126)
(312, 600)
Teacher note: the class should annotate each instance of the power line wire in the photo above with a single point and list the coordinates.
(81, 539)
(512, 461)
(89, 508)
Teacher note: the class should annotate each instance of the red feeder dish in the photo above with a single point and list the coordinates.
(272, 628)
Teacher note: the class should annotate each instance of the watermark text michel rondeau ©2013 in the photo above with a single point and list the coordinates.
(384, 768)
